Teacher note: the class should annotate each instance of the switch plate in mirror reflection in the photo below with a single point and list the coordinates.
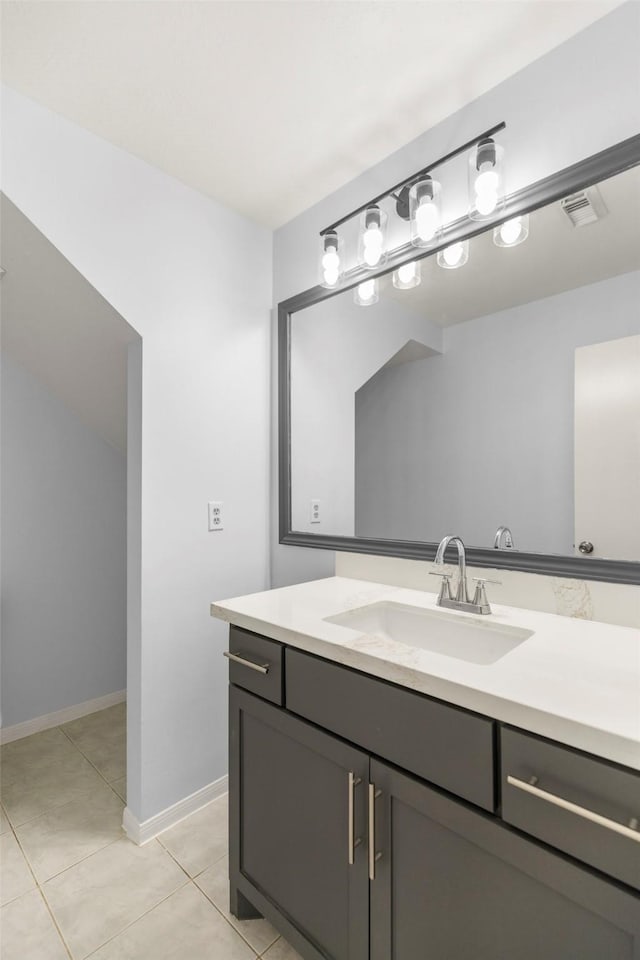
(503, 393)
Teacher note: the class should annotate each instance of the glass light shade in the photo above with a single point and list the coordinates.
(512, 232)
(372, 238)
(453, 256)
(366, 293)
(331, 263)
(486, 180)
(407, 276)
(425, 210)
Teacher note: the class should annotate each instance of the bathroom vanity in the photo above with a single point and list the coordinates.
(392, 800)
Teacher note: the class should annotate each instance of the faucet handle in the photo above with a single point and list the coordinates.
(445, 586)
(480, 596)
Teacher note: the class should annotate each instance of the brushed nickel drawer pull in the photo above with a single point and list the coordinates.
(260, 667)
(373, 855)
(353, 841)
(574, 808)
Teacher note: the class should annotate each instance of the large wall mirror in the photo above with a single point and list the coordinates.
(504, 393)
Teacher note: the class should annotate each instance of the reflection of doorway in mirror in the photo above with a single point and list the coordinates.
(607, 449)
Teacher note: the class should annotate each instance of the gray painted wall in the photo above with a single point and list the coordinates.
(63, 554)
(174, 264)
(335, 347)
(467, 441)
(578, 99)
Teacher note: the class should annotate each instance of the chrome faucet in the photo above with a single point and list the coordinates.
(461, 601)
(461, 593)
(504, 539)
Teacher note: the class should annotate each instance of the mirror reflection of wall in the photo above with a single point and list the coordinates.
(484, 354)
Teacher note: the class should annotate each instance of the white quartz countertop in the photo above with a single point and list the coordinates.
(575, 681)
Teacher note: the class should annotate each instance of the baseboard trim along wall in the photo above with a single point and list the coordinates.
(141, 833)
(48, 720)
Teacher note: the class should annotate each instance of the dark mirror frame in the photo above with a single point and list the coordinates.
(598, 167)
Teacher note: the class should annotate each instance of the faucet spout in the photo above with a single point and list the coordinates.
(461, 592)
(504, 538)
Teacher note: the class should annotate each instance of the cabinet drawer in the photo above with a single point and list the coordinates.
(574, 802)
(255, 651)
(447, 746)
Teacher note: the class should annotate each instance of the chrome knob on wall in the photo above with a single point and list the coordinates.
(585, 546)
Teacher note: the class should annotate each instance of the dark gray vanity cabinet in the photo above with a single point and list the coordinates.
(293, 789)
(353, 857)
(454, 884)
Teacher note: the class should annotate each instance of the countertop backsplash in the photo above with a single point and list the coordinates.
(615, 603)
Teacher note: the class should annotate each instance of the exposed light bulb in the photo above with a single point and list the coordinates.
(427, 220)
(407, 272)
(366, 290)
(331, 260)
(487, 181)
(452, 255)
(511, 231)
(372, 237)
(486, 202)
(372, 255)
(373, 241)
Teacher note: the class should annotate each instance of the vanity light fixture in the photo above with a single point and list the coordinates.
(418, 200)
(331, 259)
(366, 293)
(512, 232)
(407, 276)
(486, 179)
(453, 256)
(425, 212)
(371, 240)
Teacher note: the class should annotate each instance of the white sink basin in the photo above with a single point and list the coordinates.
(463, 636)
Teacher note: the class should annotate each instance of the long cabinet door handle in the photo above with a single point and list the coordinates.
(579, 811)
(353, 840)
(374, 855)
(260, 667)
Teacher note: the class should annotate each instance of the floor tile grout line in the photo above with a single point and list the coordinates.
(233, 927)
(38, 887)
(209, 865)
(88, 759)
(81, 860)
(175, 859)
(87, 956)
(55, 922)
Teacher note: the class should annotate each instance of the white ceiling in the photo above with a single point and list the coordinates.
(270, 105)
(61, 330)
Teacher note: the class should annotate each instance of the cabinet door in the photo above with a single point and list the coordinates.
(452, 884)
(290, 792)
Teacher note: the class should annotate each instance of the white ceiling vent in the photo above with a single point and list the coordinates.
(584, 207)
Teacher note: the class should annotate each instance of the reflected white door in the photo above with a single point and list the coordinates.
(607, 448)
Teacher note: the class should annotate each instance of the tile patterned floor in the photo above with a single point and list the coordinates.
(72, 886)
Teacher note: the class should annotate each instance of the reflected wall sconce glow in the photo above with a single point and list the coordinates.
(486, 179)
(512, 232)
(371, 239)
(425, 212)
(366, 293)
(407, 276)
(331, 259)
(453, 256)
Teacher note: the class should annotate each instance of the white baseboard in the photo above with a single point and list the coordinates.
(142, 832)
(48, 720)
